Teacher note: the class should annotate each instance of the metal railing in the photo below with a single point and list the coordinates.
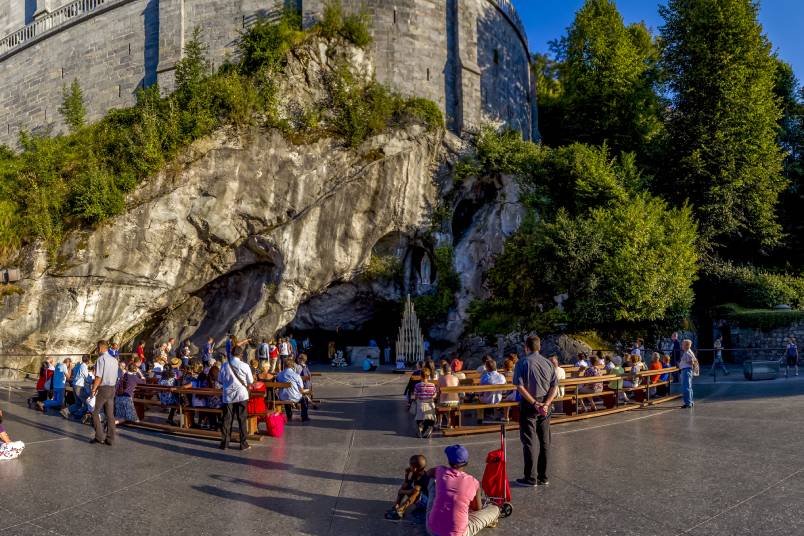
(54, 19)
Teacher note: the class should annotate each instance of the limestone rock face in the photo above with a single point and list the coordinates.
(237, 235)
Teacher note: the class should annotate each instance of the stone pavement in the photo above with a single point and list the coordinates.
(733, 465)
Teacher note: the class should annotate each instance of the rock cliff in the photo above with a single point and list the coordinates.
(248, 227)
(251, 232)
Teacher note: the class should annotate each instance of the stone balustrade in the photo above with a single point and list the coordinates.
(47, 21)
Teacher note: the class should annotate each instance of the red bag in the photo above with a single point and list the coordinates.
(275, 424)
(495, 478)
(256, 405)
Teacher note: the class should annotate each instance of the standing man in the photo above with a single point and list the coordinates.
(103, 387)
(718, 361)
(689, 367)
(792, 356)
(263, 351)
(206, 351)
(536, 381)
(235, 378)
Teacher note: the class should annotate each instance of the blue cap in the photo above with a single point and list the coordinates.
(457, 455)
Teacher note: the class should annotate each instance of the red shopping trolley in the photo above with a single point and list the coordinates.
(495, 478)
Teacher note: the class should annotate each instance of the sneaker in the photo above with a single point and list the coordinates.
(65, 413)
(524, 482)
(392, 515)
(543, 482)
(686, 406)
(428, 433)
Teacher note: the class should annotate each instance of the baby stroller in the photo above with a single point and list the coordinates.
(495, 478)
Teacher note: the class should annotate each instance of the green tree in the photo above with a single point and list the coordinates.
(601, 87)
(791, 139)
(72, 107)
(623, 262)
(722, 155)
(194, 67)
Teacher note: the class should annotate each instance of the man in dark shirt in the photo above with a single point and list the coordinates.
(537, 384)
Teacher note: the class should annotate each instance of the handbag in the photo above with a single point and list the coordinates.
(275, 424)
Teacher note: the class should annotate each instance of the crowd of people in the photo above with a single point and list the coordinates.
(102, 391)
(425, 395)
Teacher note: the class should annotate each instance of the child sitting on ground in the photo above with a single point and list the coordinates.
(413, 488)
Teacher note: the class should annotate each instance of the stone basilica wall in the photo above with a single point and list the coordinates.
(466, 55)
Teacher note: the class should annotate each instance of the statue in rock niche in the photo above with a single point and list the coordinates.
(425, 270)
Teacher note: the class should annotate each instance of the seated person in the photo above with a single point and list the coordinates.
(655, 364)
(591, 388)
(482, 368)
(446, 400)
(637, 366)
(413, 488)
(454, 505)
(582, 363)
(617, 385)
(8, 449)
(664, 390)
(294, 393)
(561, 374)
(368, 365)
(492, 377)
(304, 371)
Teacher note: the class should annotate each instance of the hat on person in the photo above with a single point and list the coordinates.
(457, 455)
(175, 362)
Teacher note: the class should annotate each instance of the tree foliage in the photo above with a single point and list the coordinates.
(629, 262)
(600, 86)
(81, 179)
(593, 231)
(72, 107)
(723, 156)
(791, 139)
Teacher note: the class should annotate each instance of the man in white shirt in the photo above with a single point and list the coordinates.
(294, 393)
(492, 377)
(235, 378)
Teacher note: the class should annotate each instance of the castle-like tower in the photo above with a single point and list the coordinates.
(469, 56)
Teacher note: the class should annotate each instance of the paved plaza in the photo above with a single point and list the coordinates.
(734, 465)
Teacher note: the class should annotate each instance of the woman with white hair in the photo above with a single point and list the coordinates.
(689, 367)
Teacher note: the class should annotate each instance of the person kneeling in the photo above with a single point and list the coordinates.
(454, 505)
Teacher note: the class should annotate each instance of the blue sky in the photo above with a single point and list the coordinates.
(782, 20)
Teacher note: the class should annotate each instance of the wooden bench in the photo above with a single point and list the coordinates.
(610, 396)
(145, 393)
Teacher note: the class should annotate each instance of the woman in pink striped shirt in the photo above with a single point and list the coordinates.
(425, 393)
